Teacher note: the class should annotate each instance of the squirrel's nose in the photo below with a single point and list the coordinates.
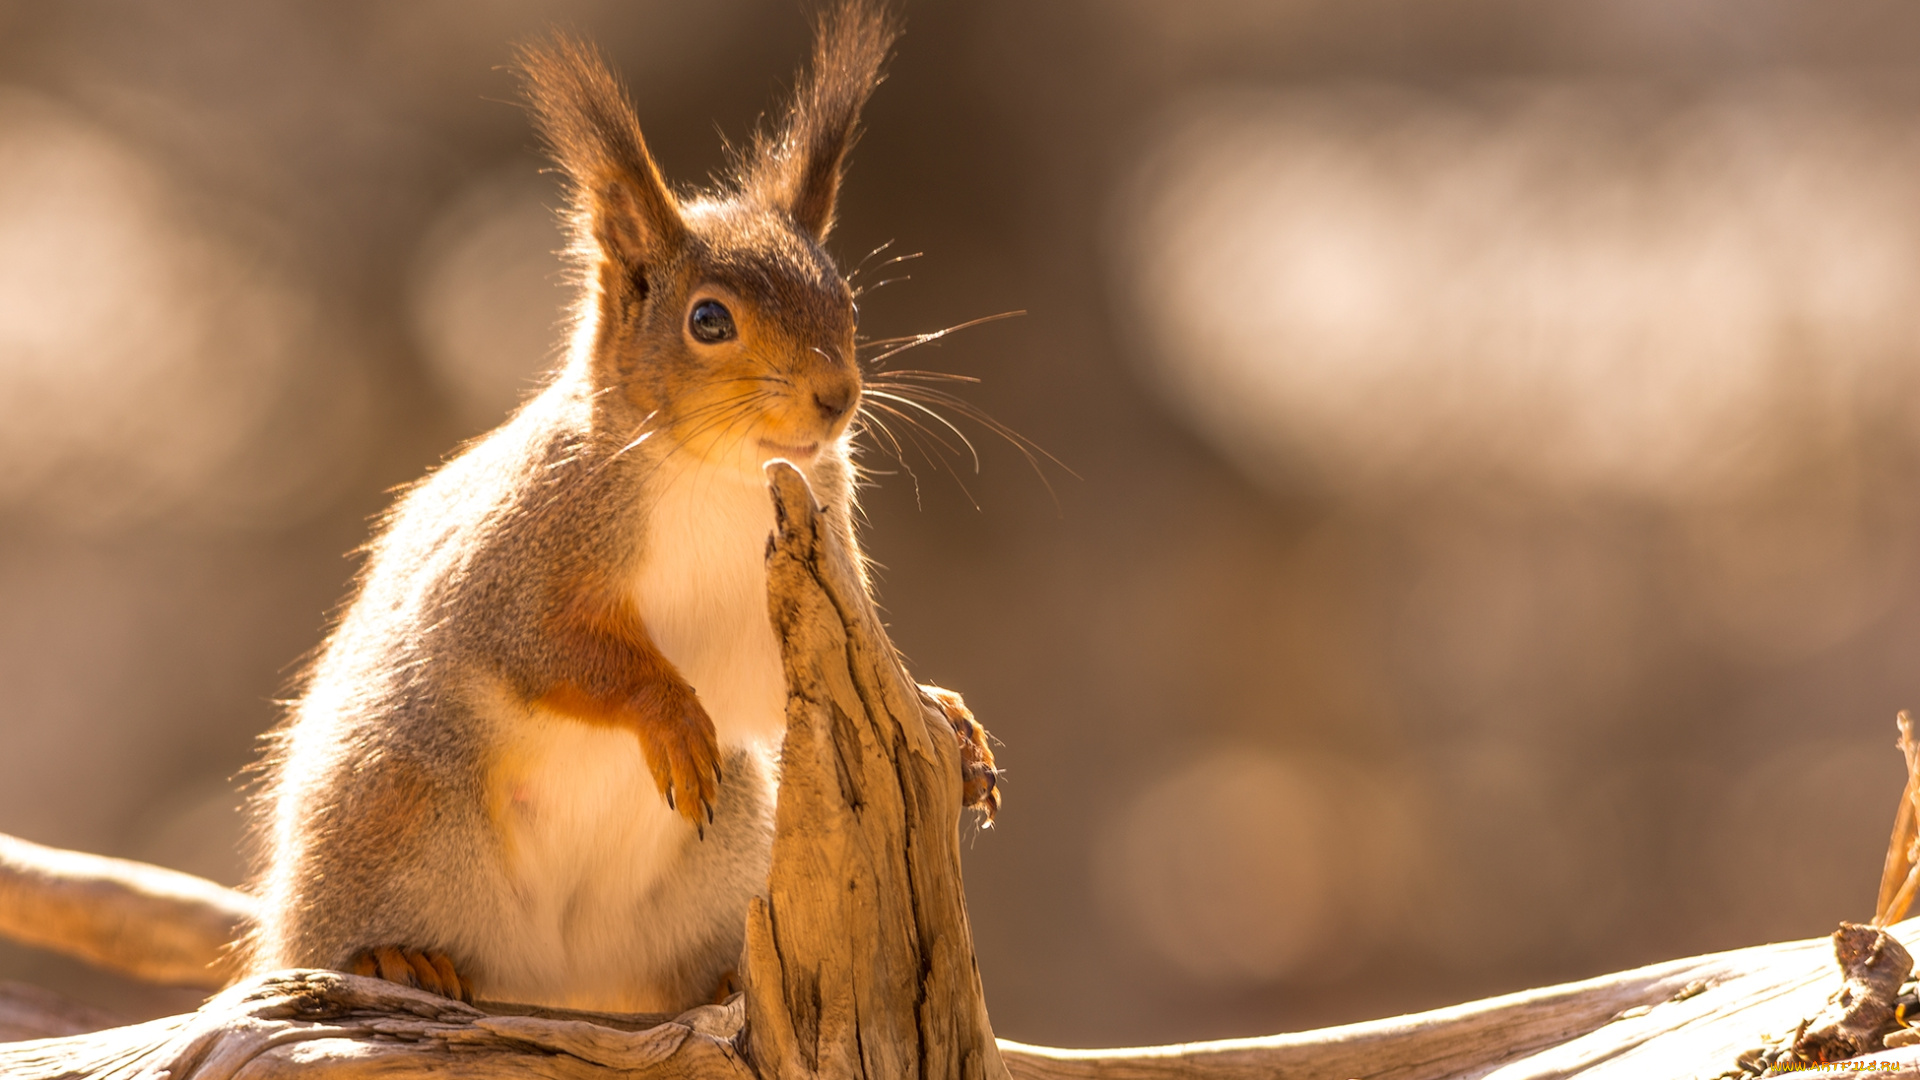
(834, 401)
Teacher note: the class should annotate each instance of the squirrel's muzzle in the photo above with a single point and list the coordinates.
(834, 402)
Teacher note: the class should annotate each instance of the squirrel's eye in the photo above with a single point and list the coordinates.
(711, 322)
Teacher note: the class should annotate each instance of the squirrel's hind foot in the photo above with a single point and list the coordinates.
(421, 969)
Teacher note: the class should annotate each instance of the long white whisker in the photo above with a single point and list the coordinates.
(916, 431)
(899, 454)
(1026, 446)
(934, 335)
(926, 376)
(961, 435)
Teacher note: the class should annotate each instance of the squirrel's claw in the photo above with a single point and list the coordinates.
(418, 968)
(664, 713)
(979, 777)
(684, 756)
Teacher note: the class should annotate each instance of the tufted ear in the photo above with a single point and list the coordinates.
(619, 205)
(798, 169)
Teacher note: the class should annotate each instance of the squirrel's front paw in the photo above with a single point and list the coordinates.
(421, 969)
(684, 755)
(979, 780)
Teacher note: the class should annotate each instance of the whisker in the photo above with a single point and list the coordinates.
(978, 415)
(921, 376)
(1032, 451)
(943, 420)
(643, 435)
(871, 422)
(878, 285)
(863, 261)
(936, 454)
(736, 407)
(743, 415)
(917, 340)
(915, 428)
(639, 435)
(739, 409)
(899, 455)
(709, 414)
(863, 265)
(916, 432)
(644, 430)
(899, 258)
(910, 387)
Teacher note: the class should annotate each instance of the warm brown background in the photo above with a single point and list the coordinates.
(1491, 557)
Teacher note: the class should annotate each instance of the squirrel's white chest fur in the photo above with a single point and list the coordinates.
(702, 593)
(596, 855)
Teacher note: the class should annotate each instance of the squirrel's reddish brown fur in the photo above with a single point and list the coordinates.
(612, 674)
(535, 759)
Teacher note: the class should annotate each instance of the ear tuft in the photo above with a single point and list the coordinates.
(620, 207)
(798, 168)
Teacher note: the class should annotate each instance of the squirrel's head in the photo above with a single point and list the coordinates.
(715, 320)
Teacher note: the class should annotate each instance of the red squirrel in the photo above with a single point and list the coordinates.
(535, 761)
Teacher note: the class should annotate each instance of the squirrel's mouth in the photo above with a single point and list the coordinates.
(802, 452)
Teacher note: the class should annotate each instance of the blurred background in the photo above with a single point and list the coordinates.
(1491, 559)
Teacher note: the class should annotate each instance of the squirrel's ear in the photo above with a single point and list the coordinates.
(621, 207)
(798, 169)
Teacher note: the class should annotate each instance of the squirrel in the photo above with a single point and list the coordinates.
(536, 758)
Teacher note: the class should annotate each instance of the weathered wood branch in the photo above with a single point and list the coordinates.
(326, 1024)
(859, 962)
(1682, 1018)
(158, 925)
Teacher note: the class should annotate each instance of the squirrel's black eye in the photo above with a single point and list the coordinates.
(711, 322)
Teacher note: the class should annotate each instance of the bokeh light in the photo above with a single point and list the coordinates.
(1245, 867)
(1490, 558)
(488, 294)
(1578, 286)
(138, 352)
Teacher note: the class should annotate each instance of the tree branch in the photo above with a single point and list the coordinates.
(326, 1024)
(157, 925)
(859, 960)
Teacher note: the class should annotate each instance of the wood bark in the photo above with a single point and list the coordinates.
(859, 962)
(1679, 1019)
(325, 1024)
